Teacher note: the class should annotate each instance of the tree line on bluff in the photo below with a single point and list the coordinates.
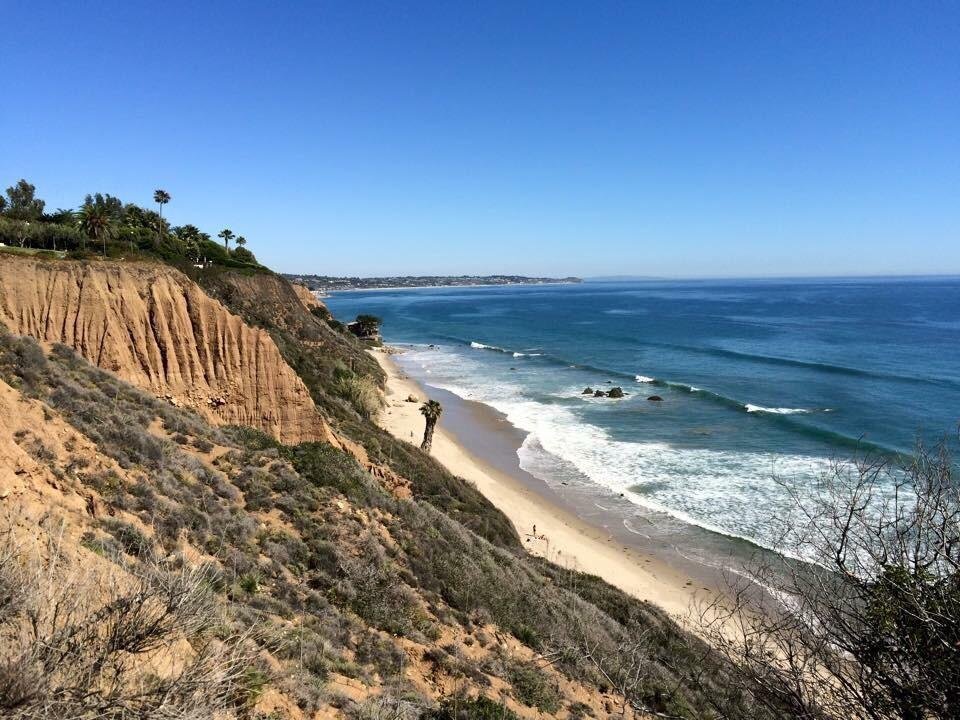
(107, 225)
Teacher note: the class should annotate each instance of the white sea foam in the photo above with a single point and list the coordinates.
(731, 492)
(776, 411)
(644, 379)
(481, 346)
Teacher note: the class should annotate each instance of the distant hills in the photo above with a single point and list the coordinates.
(329, 283)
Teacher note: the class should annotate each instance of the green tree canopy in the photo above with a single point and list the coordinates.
(226, 235)
(97, 222)
(23, 202)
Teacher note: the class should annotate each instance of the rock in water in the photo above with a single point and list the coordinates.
(616, 392)
(655, 398)
(587, 391)
(598, 393)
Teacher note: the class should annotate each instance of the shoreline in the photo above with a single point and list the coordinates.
(448, 287)
(561, 536)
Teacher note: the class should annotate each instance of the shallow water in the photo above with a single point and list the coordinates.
(759, 380)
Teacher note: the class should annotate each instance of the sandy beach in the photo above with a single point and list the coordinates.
(560, 536)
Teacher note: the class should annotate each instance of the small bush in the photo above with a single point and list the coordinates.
(362, 393)
(250, 583)
(531, 686)
(131, 540)
(465, 708)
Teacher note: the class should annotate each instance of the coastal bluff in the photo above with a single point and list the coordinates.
(156, 329)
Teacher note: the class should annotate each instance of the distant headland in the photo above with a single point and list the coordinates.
(328, 283)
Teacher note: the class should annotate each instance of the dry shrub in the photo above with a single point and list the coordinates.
(86, 639)
(869, 627)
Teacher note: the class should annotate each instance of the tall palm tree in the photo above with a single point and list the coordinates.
(431, 411)
(96, 223)
(227, 236)
(161, 198)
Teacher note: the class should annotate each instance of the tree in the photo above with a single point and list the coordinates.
(241, 241)
(227, 236)
(431, 411)
(161, 198)
(368, 325)
(96, 222)
(191, 238)
(3, 204)
(868, 626)
(24, 205)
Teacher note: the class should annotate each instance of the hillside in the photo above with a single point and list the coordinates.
(224, 570)
(152, 327)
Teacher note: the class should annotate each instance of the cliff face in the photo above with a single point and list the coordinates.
(156, 329)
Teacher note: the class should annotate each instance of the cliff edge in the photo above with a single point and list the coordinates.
(156, 329)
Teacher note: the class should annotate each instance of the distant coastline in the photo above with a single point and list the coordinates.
(328, 283)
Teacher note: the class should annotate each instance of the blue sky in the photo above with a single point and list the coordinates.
(667, 138)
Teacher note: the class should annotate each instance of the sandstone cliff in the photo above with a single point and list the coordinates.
(156, 329)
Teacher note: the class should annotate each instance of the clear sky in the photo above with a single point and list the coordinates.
(541, 137)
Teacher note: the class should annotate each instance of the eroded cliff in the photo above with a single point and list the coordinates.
(154, 328)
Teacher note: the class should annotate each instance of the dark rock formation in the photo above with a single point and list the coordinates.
(655, 398)
(616, 392)
(587, 391)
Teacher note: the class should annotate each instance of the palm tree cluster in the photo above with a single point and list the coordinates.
(114, 226)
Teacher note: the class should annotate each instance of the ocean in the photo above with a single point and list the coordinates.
(761, 381)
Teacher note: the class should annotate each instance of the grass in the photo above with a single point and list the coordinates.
(14, 250)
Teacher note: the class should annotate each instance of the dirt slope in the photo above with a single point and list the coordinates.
(156, 329)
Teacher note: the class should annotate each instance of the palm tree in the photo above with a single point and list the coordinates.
(431, 411)
(161, 198)
(97, 223)
(241, 241)
(227, 236)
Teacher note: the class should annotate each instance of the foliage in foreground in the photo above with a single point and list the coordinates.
(71, 636)
(871, 624)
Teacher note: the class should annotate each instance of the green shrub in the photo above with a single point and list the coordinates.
(531, 686)
(465, 708)
(131, 540)
(250, 583)
(362, 393)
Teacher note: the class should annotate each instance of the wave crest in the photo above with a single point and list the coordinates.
(775, 411)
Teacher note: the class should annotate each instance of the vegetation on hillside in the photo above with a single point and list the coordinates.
(322, 356)
(330, 576)
(105, 225)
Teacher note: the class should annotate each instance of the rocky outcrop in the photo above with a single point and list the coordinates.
(153, 327)
(308, 299)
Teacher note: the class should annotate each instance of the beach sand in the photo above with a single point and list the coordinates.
(560, 536)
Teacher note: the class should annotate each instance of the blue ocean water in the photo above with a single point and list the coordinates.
(759, 379)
